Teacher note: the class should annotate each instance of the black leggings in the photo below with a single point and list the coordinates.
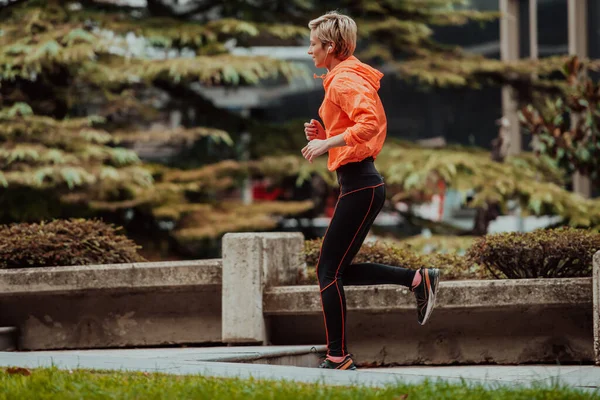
(362, 195)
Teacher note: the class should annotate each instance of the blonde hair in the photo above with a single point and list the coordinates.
(337, 28)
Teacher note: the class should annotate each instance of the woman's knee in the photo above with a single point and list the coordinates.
(325, 274)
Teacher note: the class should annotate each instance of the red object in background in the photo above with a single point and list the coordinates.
(260, 192)
(330, 204)
(441, 185)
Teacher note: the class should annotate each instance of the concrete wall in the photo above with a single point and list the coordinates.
(504, 322)
(495, 321)
(253, 262)
(143, 304)
(250, 297)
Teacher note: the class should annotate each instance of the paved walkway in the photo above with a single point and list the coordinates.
(212, 361)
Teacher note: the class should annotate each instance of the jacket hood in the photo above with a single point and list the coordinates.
(352, 64)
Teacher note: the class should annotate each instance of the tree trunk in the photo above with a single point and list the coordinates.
(485, 215)
(483, 218)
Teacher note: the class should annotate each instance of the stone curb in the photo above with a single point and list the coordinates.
(170, 275)
(285, 300)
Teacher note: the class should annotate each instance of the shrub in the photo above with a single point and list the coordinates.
(64, 242)
(452, 266)
(378, 252)
(554, 253)
(455, 267)
(438, 244)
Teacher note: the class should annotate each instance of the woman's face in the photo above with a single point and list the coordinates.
(317, 52)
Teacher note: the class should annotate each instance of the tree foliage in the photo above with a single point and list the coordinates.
(401, 34)
(66, 50)
(567, 127)
(84, 85)
(412, 174)
(41, 152)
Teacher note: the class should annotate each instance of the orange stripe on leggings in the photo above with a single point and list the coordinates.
(334, 281)
(343, 317)
(358, 190)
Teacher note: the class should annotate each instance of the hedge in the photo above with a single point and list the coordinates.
(453, 266)
(552, 253)
(544, 253)
(63, 243)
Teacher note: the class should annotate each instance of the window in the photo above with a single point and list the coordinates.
(594, 29)
(553, 28)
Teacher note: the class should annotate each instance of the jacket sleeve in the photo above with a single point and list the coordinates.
(357, 100)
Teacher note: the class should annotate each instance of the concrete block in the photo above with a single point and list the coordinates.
(494, 321)
(242, 290)
(514, 294)
(596, 290)
(283, 260)
(252, 262)
(121, 305)
(146, 276)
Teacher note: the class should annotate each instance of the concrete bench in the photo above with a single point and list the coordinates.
(251, 297)
(493, 321)
(139, 304)
(506, 322)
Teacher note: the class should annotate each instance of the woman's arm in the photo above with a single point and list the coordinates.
(336, 141)
(357, 100)
(317, 147)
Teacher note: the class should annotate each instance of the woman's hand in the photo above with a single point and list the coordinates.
(315, 148)
(314, 130)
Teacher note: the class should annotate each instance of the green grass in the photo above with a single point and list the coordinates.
(51, 383)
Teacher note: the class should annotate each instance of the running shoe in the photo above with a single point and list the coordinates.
(346, 363)
(425, 293)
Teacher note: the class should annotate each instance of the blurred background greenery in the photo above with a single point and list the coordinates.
(182, 120)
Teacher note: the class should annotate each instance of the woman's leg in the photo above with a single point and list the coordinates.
(374, 273)
(378, 274)
(352, 219)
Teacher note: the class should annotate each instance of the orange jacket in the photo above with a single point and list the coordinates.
(352, 107)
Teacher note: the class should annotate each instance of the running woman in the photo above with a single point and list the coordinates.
(353, 135)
